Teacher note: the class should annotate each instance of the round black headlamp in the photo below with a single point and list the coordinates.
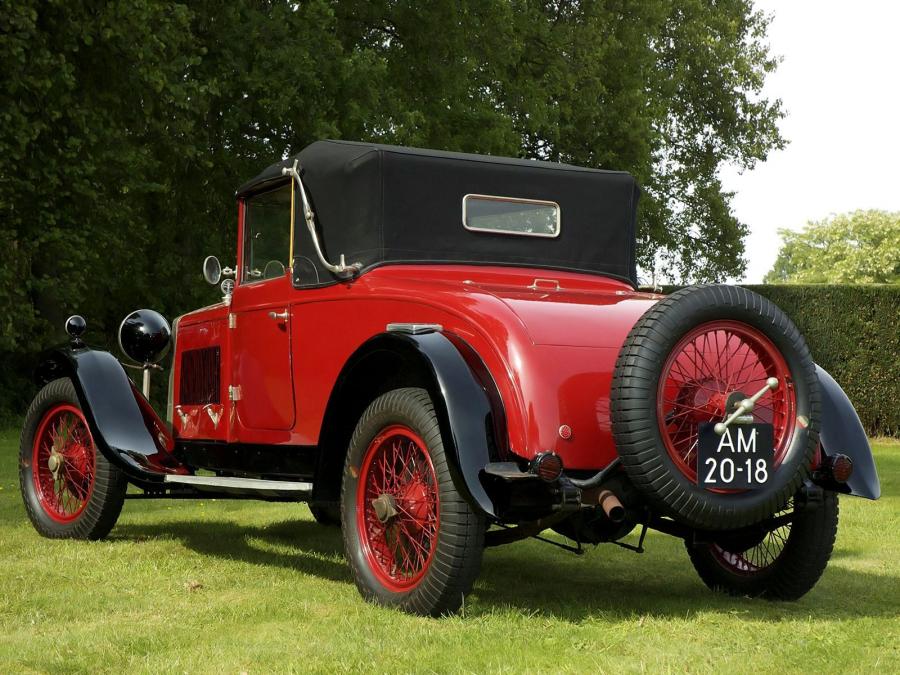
(145, 336)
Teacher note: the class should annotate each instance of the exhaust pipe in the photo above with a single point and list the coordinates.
(611, 506)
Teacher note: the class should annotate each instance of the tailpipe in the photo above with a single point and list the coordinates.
(611, 506)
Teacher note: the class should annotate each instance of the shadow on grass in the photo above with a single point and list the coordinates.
(665, 585)
(657, 584)
(309, 548)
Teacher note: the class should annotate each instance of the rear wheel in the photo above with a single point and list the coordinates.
(328, 514)
(781, 563)
(69, 489)
(411, 539)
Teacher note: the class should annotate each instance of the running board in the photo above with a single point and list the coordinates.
(243, 486)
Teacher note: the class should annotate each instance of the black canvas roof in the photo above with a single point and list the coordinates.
(380, 204)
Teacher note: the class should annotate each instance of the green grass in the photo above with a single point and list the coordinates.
(226, 587)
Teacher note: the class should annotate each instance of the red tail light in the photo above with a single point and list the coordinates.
(548, 466)
(841, 468)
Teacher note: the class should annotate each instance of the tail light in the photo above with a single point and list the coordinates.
(548, 466)
(840, 467)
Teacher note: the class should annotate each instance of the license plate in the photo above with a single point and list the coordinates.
(740, 458)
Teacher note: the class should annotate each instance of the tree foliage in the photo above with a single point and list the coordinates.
(862, 247)
(126, 125)
(667, 90)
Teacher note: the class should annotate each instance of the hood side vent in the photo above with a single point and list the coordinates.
(200, 383)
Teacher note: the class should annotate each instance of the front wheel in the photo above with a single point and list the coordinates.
(411, 539)
(781, 562)
(70, 490)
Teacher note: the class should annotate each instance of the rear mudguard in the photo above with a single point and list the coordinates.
(124, 426)
(468, 409)
(843, 433)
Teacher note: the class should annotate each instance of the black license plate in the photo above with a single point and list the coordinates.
(740, 458)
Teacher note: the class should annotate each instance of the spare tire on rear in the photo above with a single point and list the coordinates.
(684, 363)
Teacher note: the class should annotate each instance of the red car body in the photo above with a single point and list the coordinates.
(482, 369)
(550, 338)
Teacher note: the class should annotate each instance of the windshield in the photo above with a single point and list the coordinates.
(267, 235)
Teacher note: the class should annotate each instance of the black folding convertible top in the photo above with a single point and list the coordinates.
(379, 204)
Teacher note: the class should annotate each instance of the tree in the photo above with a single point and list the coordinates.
(667, 90)
(126, 125)
(862, 247)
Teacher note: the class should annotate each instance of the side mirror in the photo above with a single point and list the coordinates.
(212, 269)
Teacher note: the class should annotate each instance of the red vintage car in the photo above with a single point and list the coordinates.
(441, 352)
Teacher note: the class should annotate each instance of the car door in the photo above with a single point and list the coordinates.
(262, 381)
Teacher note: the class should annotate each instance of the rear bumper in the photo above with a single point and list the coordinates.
(522, 495)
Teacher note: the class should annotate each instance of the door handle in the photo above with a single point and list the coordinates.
(283, 316)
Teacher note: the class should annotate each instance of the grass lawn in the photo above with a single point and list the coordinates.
(228, 587)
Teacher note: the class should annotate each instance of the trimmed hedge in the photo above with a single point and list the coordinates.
(854, 334)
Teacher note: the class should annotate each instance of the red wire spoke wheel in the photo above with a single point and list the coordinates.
(757, 558)
(398, 507)
(411, 539)
(63, 463)
(69, 489)
(782, 559)
(715, 362)
(688, 361)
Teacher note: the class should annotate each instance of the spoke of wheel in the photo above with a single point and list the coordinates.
(689, 408)
(382, 464)
(721, 352)
(708, 367)
(691, 450)
(419, 546)
(756, 363)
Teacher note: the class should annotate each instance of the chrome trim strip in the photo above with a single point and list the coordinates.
(342, 269)
(414, 328)
(240, 483)
(170, 402)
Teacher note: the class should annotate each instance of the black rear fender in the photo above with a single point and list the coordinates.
(464, 397)
(124, 426)
(842, 432)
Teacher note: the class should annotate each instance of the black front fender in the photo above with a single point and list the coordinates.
(843, 433)
(123, 424)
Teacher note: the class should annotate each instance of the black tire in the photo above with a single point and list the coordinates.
(107, 494)
(635, 417)
(803, 556)
(457, 534)
(328, 515)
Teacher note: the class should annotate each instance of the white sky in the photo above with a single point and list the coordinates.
(840, 84)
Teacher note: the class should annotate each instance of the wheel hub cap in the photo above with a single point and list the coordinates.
(54, 462)
(385, 507)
